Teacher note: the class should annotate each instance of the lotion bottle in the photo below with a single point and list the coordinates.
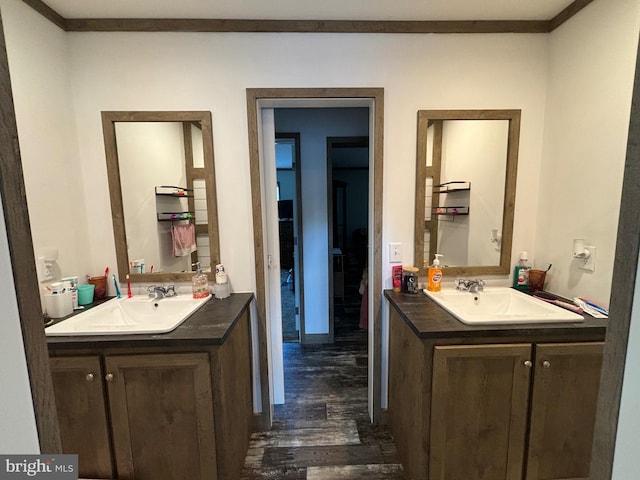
(435, 275)
(200, 283)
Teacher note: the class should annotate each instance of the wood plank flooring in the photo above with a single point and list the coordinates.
(323, 432)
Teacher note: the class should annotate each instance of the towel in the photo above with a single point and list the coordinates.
(183, 238)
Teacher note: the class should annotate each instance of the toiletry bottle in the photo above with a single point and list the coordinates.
(200, 283)
(435, 275)
(521, 273)
(396, 277)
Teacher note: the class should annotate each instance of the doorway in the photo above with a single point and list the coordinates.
(288, 196)
(258, 102)
(348, 206)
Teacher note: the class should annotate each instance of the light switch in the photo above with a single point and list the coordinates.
(395, 253)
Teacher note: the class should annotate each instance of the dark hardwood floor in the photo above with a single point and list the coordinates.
(323, 432)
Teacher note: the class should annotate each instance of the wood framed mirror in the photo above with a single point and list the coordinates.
(161, 175)
(466, 170)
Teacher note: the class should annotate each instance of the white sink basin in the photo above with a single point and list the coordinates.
(130, 315)
(500, 305)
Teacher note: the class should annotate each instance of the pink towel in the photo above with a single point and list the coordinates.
(183, 238)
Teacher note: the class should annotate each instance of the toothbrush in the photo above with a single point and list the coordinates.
(115, 284)
(593, 310)
(602, 310)
(562, 304)
(106, 271)
(151, 269)
(129, 295)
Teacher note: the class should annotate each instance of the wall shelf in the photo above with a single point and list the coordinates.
(172, 191)
(450, 187)
(173, 216)
(452, 211)
(175, 192)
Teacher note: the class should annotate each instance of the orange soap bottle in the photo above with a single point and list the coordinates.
(435, 275)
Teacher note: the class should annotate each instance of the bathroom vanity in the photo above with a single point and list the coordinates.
(149, 406)
(491, 401)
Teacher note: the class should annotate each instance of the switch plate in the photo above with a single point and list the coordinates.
(590, 264)
(395, 253)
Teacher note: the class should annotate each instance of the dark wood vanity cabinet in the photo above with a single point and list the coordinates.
(492, 402)
(563, 410)
(481, 427)
(160, 412)
(162, 415)
(478, 412)
(82, 413)
(147, 407)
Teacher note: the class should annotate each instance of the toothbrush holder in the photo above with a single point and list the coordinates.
(536, 280)
(100, 287)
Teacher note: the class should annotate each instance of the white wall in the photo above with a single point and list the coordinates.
(146, 71)
(17, 420)
(38, 61)
(314, 126)
(591, 65)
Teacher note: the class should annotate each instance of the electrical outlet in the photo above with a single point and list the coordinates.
(44, 270)
(395, 253)
(590, 264)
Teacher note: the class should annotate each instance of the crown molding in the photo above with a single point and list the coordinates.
(303, 26)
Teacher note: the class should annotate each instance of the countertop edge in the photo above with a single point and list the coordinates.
(197, 331)
(441, 324)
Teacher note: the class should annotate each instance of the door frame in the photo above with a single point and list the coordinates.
(332, 144)
(298, 264)
(373, 98)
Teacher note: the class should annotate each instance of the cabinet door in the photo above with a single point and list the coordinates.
(162, 416)
(563, 411)
(82, 414)
(479, 411)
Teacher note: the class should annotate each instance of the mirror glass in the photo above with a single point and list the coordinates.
(465, 189)
(162, 188)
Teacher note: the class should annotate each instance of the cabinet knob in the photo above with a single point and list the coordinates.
(527, 363)
(546, 364)
(109, 377)
(89, 377)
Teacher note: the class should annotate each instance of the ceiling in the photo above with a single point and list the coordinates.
(421, 10)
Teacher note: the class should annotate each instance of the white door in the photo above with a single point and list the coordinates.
(272, 252)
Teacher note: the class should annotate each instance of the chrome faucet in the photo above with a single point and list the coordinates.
(471, 286)
(161, 292)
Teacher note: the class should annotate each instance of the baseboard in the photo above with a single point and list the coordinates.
(316, 338)
(382, 417)
(260, 422)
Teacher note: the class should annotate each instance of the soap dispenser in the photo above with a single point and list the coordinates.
(435, 275)
(200, 283)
